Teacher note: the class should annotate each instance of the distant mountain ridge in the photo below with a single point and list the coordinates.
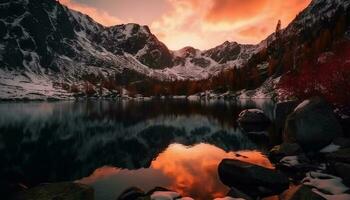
(44, 44)
(44, 33)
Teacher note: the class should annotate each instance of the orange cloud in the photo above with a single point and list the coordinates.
(189, 173)
(227, 10)
(99, 16)
(254, 32)
(207, 23)
(195, 175)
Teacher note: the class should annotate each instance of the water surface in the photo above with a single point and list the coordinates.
(113, 145)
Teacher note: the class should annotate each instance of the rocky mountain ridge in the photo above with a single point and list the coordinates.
(44, 45)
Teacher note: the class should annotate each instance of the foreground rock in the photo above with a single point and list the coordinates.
(285, 149)
(252, 179)
(342, 155)
(326, 185)
(342, 170)
(300, 192)
(58, 191)
(132, 193)
(313, 125)
(282, 110)
(158, 193)
(235, 193)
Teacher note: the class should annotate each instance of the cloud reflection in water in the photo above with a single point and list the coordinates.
(191, 171)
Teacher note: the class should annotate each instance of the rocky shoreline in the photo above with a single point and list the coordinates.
(311, 163)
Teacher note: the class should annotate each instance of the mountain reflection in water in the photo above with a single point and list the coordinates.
(66, 141)
(191, 171)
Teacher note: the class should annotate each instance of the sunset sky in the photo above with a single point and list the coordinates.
(199, 23)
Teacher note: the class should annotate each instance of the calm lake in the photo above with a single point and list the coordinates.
(112, 145)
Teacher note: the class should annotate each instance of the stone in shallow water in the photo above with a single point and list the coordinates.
(59, 191)
(283, 150)
(342, 155)
(342, 170)
(235, 193)
(132, 193)
(253, 120)
(300, 192)
(252, 116)
(252, 179)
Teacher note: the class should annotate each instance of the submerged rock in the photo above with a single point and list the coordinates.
(252, 116)
(342, 155)
(342, 170)
(132, 193)
(58, 191)
(327, 186)
(300, 192)
(252, 179)
(235, 193)
(312, 124)
(342, 142)
(158, 193)
(253, 120)
(283, 150)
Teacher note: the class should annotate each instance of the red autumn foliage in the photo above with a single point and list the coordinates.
(327, 76)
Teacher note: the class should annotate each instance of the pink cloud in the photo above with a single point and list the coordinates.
(99, 16)
(230, 10)
(207, 23)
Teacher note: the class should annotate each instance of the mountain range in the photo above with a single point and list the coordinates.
(44, 44)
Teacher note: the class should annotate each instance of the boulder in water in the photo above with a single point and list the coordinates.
(252, 179)
(313, 125)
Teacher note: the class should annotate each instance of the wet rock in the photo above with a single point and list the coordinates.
(282, 110)
(342, 142)
(133, 193)
(297, 162)
(327, 185)
(165, 195)
(235, 193)
(342, 155)
(157, 193)
(345, 124)
(252, 179)
(59, 191)
(312, 124)
(252, 116)
(283, 150)
(300, 192)
(330, 148)
(157, 189)
(342, 170)
(253, 120)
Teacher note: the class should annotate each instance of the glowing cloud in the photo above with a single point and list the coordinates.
(199, 23)
(99, 16)
(207, 23)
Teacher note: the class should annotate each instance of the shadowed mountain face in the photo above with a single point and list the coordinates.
(44, 45)
(43, 37)
(41, 33)
(48, 142)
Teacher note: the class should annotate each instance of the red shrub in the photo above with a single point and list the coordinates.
(328, 77)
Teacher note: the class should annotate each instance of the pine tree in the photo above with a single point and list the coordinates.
(278, 30)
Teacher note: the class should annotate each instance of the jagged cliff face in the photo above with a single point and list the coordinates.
(138, 41)
(44, 36)
(43, 42)
(37, 33)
